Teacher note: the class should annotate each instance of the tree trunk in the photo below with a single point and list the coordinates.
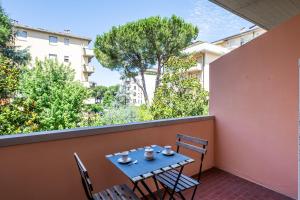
(157, 82)
(143, 87)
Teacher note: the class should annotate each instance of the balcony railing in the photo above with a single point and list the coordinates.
(41, 165)
(88, 69)
(88, 52)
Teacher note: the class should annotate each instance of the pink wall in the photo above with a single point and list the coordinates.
(47, 170)
(254, 97)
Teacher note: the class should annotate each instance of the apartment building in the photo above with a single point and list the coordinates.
(234, 41)
(67, 48)
(206, 53)
(135, 93)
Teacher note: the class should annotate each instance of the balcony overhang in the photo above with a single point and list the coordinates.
(264, 13)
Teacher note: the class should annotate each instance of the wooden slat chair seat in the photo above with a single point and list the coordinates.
(117, 192)
(168, 179)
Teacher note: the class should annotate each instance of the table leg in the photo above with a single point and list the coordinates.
(176, 182)
(148, 189)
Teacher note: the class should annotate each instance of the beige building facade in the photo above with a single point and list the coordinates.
(65, 47)
(206, 53)
(237, 40)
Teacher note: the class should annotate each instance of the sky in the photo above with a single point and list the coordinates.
(95, 17)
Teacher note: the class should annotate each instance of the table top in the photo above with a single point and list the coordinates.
(147, 168)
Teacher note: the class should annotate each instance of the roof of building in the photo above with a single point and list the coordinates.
(254, 28)
(195, 43)
(206, 47)
(17, 25)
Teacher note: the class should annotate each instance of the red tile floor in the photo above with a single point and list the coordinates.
(220, 185)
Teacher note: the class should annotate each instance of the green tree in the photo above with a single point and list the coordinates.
(6, 32)
(174, 96)
(119, 115)
(110, 95)
(7, 47)
(105, 95)
(137, 46)
(58, 100)
(14, 114)
(98, 92)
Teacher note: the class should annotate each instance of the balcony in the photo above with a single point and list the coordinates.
(88, 69)
(88, 52)
(41, 165)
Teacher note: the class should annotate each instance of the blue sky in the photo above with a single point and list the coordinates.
(93, 17)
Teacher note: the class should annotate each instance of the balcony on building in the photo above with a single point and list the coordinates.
(88, 52)
(88, 69)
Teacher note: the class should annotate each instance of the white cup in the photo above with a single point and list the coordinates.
(149, 153)
(168, 149)
(124, 155)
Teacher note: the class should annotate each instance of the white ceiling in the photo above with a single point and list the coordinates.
(264, 13)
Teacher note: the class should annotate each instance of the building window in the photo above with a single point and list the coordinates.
(66, 41)
(52, 56)
(134, 100)
(53, 39)
(134, 94)
(134, 87)
(66, 59)
(22, 34)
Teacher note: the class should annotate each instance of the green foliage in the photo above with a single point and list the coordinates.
(6, 32)
(95, 108)
(110, 94)
(119, 115)
(98, 92)
(179, 95)
(106, 95)
(10, 74)
(136, 46)
(15, 114)
(144, 113)
(58, 100)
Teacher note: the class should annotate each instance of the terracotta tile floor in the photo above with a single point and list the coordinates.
(220, 185)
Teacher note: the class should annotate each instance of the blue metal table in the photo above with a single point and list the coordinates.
(144, 169)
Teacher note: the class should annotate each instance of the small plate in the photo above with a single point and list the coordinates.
(168, 154)
(120, 160)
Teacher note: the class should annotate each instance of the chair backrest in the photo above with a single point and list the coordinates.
(85, 179)
(199, 149)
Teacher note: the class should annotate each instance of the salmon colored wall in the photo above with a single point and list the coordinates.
(254, 97)
(47, 170)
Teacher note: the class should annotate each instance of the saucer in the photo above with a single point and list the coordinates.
(168, 154)
(120, 160)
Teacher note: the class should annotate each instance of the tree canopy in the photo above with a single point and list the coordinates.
(58, 100)
(6, 32)
(137, 46)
